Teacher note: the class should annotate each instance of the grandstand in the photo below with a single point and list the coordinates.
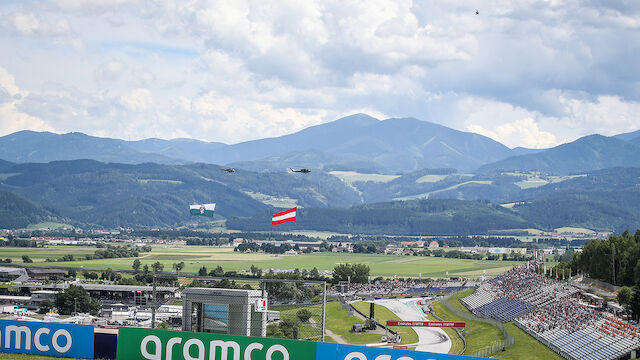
(552, 312)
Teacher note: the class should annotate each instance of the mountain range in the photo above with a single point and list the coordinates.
(364, 169)
(354, 143)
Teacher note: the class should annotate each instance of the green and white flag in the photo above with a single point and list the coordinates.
(202, 209)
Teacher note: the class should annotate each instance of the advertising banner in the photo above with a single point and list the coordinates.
(135, 343)
(177, 345)
(42, 338)
(356, 352)
(447, 324)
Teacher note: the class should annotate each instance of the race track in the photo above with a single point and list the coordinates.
(430, 339)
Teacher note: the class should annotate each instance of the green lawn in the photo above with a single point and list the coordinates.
(382, 314)
(197, 256)
(338, 321)
(525, 347)
(479, 334)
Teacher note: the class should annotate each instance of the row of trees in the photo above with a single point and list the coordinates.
(615, 260)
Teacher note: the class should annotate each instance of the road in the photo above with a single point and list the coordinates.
(430, 339)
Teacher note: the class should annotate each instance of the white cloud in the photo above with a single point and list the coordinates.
(528, 73)
(137, 100)
(28, 24)
(523, 132)
(11, 118)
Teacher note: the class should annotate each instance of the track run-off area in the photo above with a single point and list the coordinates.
(430, 339)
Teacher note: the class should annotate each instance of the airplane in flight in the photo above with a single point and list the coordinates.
(229, 170)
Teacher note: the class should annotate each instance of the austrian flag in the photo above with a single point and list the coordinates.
(283, 217)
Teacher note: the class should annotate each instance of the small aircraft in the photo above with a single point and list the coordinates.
(303, 170)
(229, 170)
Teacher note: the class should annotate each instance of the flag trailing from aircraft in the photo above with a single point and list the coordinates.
(283, 217)
(202, 209)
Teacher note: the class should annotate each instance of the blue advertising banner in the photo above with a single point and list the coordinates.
(42, 338)
(356, 352)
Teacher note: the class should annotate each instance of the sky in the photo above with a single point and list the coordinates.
(529, 73)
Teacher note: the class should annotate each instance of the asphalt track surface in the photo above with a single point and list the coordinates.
(429, 339)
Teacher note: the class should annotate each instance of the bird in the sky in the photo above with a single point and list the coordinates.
(477, 12)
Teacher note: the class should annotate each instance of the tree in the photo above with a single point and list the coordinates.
(72, 273)
(91, 275)
(26, 259)
(360, 273)
(136, 265)
(304, 315)
(202, 271)
(255, 270)
(45, 306)
(145, 269)
(76, 298)
(624, 296)
(635, 302)
(157, 266)
(357, 273)
(217, 271)
(178, 266)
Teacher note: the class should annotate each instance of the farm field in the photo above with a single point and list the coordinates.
(40, 254)
(197, 256)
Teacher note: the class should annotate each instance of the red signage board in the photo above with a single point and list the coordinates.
(445, 324)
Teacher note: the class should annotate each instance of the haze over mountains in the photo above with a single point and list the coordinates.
(480, 184)
(357, 142)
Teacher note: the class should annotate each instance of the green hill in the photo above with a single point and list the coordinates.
(115, 195)
(417, 217)
(17, 212)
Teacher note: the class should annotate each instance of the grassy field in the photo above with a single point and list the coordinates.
(426, 195)
(575, 230)
(352, 176)
(284, 202)
(525, 347)
(40, 254)
(197, 256)
(479, 334)
(431, 178)
(48, 225)
(382, 314)
(338, 322)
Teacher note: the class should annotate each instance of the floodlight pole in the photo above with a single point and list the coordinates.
(324, 305)
(153, 304)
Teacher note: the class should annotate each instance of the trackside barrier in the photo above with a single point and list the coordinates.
(137, 343)
(50, 339)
